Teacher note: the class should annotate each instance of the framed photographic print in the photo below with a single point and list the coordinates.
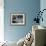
(17, 19)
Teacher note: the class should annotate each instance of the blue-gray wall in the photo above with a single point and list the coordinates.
(43, 6)
(29, 8)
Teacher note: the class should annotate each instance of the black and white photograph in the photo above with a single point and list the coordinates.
(17, 19)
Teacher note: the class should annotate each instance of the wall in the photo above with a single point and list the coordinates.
(29, 8)
(43, 6)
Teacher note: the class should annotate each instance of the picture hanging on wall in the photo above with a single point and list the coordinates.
(17, 19)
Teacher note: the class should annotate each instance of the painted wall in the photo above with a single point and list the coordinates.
(29, 8)
(43, 6)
